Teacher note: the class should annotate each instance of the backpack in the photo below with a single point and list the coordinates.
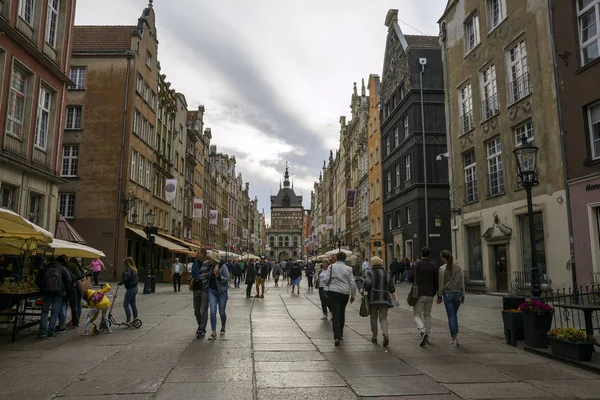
(53, 280)
(97, 297)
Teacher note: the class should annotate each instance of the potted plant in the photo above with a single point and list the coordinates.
(571, 343)
(537, 319)
(513, 326)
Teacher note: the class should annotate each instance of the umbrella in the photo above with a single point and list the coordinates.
(13, 226)
(70, 249)
(335, 251)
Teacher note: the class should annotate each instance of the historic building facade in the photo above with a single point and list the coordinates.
(577, 62)
(285, 233)
(500, 89)
(35, 59)
(412, 184)
(376, 242)
(179, 147)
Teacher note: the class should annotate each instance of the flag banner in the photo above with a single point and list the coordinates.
(305, 242)
(170, 190)
(245, 233)
(226, 224)
(268, 248)
(329, 222)
(236, 240)
(350, 198)
(214, 214)
(198, 205)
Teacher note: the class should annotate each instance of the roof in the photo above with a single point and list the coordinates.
(102, 39)
(422, 41)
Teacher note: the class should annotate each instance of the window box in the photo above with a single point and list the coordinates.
(578, 351)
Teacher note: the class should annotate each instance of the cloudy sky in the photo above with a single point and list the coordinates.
(274, 75)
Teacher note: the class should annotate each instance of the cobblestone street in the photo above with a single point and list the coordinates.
(278, 348)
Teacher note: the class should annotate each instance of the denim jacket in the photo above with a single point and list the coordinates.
(223, 279)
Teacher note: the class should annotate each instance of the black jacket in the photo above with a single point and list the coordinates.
(395, 266)
(380, 287)
(426, 272)
(129, 278)
(66, 286)
(250, 273)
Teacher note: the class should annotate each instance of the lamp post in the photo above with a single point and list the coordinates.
(525, 154)
(438, 221)
(339, 239)
(151, 232)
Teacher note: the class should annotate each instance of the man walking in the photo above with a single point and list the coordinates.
(425, 274)
(201, 271)
(176, 272)
(261, 275)
(395, 270)
(250, 278)
(54, 282)
(365, 266)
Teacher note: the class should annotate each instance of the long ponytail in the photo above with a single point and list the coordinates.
(448, 256)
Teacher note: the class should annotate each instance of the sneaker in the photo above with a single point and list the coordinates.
(222, 330)
(60, 331)
(85, 333)
(374, 339)
(200, 335)
(257, 297)
(337, 342)
(127, 324)
(248, 297)
(453, 343)
(262, 296)
(423, 340)
(42, 335)
(386, 340)
(109, 330)
(324, 317)
(52, 335)
(213, 336)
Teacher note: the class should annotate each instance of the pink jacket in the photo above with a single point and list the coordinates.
(97, 265)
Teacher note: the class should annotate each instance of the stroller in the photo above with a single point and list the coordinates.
(94, 330)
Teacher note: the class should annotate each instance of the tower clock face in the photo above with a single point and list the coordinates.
(286, 200)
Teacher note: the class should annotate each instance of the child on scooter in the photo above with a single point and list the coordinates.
(97, 301)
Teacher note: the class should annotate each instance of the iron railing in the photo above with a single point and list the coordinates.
(521, 283)
(572, 318)
(490, 107)
(519, 88)
(467, 122)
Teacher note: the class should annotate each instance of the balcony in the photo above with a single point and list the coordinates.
(490, 107)
(467, 122)
(191, 155)
(519, 88)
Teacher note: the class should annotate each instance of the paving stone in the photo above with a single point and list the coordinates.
(387, 369)
(464, 373)
(417, 361)
(298, 379)
(293, 366)
(420, 397)
(552, 371)
(45, 387)
(110, 397)
(281, 340)
(369, 357)
(352, 348)
(116, 381)
(483, 391)
(288, 356)
(214, 362)
(506, 358)
(283, 347)
(321, 393)
(193, 374)
(205, 390)
(394, 386)
(580, 389)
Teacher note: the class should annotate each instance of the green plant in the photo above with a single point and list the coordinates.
(571, 335)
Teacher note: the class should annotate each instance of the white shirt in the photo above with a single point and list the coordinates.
(342, 279)
(366, 266)
(176, 268)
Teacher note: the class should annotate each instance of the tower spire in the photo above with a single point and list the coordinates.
(286, 176)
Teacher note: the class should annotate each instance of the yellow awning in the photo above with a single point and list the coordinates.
(159, 241)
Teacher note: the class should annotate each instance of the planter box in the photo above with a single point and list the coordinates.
(535, 328)
(513, 327)
(578, 351)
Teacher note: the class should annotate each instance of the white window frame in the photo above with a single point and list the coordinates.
(407, 160)
(495, 167)
(406, 127)
(17, 102)
(389, 181)
(66, 205)
(524, 130)
(148, 169)
(27, 10)
(496, 12)
(150, 133)
(77, 75)
(139, 84)
(134, 156)
(518, 72)
(594, 40)
(42, 126)
(73, 118)
(387, 146)
(408, 215)
(594, 128)
(396, 136)
(472, 35)
(390, 222)
(490, 106)
(148, 59)
(70, 160)
(141, 167)
(470, 169)
(465, 107)
(398, 176)
(137, 116)
(52, 22)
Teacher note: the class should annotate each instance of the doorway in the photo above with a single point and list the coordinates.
(501, 268)
(408, 249)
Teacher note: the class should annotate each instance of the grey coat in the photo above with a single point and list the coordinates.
(380, 286)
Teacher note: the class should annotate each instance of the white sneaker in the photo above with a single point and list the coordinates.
(453, 343)
(324, 317)
(85, 333)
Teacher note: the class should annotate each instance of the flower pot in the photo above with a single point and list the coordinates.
(578, 351)
(535, 328)
(513, 327)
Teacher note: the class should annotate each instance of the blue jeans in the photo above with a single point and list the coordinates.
(54, 304)
(452, 303)
(215, 300)
(129, 301)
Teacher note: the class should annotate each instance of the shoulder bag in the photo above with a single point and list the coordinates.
(326, 288)
(364, 310)
(413, 295)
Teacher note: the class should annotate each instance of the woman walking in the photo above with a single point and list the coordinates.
(323, 279)
(451, 289)
(97, 266)
(296, 277)
(380, 287)
(310, 273)
(340, 286)
(217, 294)
(130, 280)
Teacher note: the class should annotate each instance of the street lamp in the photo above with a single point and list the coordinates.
(339, 239)
(151, 232)
(525, 154)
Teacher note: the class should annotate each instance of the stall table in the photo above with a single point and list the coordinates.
(20, 311)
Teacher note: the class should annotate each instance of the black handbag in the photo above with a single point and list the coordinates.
(325, 291)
